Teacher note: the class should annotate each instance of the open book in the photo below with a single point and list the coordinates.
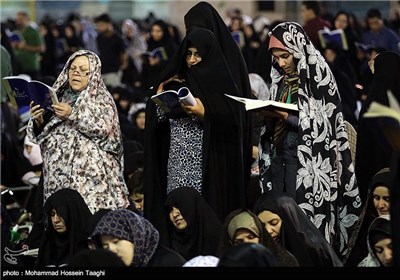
(326, 36)
(389, 119)
(256, 104)
(238, 36)
(22, 90)
(14, 36)
(170, 99)
(159, 52)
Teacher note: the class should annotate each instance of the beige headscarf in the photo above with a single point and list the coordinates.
(242, 220)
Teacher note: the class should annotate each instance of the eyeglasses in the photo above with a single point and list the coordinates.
(78, 72)
(196, 55)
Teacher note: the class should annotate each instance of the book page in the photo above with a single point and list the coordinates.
(253, 104)
(186, 97)
(167, 100)
(51, 91)
(377, 110)
(22, 91)
(388, 119)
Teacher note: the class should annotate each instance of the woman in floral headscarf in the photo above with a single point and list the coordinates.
(81, 140)
(322, 179)
(135, 240)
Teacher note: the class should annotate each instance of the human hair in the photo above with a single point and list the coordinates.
(312, 5)
(103, 18)
(372, 13)
(135, 183)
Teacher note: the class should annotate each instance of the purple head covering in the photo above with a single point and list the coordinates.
(125, 224)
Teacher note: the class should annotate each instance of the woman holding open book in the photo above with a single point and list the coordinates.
(81, 140)
(196, 146)
(308, 155)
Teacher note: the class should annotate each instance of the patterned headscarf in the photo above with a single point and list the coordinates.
(326, 184)
(87, 104)
(126, 225)
(34, 157)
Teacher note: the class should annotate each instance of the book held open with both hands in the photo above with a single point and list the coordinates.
(326, 36)
(256, 104)
(22, 90)
(14, 36)
(159, 53)
(389, 119)
(168, 100)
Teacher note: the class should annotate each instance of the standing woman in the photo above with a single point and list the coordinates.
(154, 65)
(204, 15)
(81, 140)
(324, 181)
(371, 155)
(198, 146)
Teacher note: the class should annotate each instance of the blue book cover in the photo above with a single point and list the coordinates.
(169, 100)
(14, 36)
(238, 36)
(22, 90)
(337, 36)
(159, 53)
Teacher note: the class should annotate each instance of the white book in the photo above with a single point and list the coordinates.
(256, 104)
(389, 119)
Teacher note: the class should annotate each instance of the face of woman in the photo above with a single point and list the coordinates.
(272, 223)
(78, 74)
(156, 32)
(243, 235)
(177, 219)
(284, 60)
(341, 21)
(381, 200)
(384, 252)
(192, 56)
(124, 249)
(140, 120)
(58, 222)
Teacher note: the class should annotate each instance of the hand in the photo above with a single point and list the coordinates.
(36, 113)
(20, 45)
(283, 115)
(175, 78)
(195, 110)
(269, 114)
(62, 110)
(154, 61)
(276, 114)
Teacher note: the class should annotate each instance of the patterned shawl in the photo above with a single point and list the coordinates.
(88, 106)
(125, 224)
(326, 186)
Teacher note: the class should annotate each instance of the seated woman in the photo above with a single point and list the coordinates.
(247, 255)
(379, 244)
(135, 240)
(66, 215)
(290, 227)
(194, 228)
(243, 226)
(378, 204)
